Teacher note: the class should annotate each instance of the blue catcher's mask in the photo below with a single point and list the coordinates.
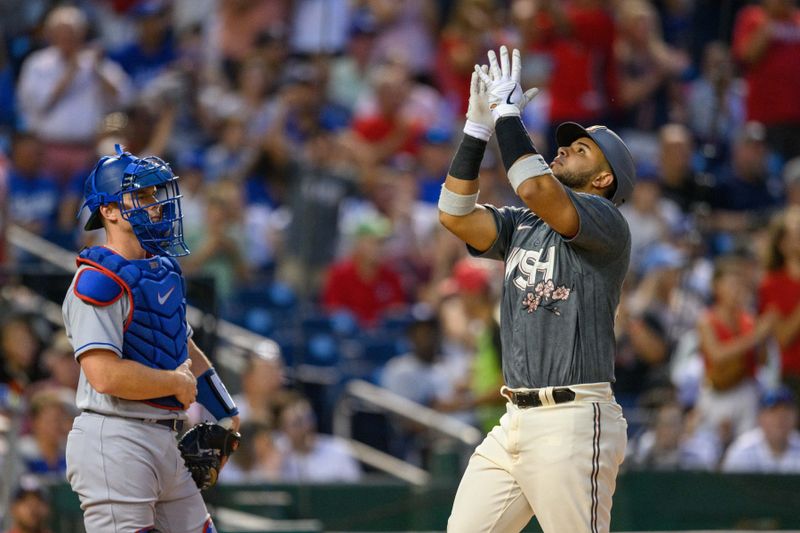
(120, 179)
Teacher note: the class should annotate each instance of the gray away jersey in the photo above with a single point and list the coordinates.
(91, 327)
(560, 295)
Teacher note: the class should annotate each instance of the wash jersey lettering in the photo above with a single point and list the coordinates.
(560, 295)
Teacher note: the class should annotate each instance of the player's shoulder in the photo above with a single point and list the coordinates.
(592, 199)
(512, 214)
(96, 287)
(596, 206)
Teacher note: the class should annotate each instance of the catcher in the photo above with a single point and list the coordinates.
(125, 315)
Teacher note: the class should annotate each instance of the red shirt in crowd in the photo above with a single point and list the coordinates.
(582, 78)
(377, 128)
(368, 299)
(731, 373)
(781, 292)
(773, 81)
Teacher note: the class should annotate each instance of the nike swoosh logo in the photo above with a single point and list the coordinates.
(508, 98)
(522, 226)
(162, 299)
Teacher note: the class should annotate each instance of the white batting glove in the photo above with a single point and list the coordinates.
(505, 94)
(480, 123)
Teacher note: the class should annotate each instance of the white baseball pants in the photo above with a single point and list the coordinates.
(557, 461)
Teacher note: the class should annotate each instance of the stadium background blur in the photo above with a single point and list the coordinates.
(311, 138)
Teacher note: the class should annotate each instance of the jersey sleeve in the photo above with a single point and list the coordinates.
(603, 230)
(505, 218)
(92, 326)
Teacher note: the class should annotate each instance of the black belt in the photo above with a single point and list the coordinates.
(175, 424)
(531, 398)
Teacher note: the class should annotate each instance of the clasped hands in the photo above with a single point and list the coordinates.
(495, 92)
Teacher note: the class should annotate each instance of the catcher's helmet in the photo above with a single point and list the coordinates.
(119, 176)
(614, 149)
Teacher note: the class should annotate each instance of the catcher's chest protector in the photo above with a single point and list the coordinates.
(155, 329)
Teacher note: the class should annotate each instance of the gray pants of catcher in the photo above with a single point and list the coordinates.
(130, 477)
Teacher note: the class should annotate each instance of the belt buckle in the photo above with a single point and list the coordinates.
(525, 400)
(565, 394)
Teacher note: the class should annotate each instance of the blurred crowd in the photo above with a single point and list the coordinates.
(312, 137)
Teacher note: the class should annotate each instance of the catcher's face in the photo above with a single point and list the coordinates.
(145, 198)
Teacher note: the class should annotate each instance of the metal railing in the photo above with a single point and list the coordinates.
(361, 393)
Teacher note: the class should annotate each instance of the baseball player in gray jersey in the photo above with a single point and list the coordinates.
(557, 449)
(125, 314)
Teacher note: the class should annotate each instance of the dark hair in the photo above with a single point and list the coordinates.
(23, 492)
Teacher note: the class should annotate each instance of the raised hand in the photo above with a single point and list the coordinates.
(504, 93)
(480, 123)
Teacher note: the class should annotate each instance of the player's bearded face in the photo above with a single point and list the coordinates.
(577, 164)
(574, 179)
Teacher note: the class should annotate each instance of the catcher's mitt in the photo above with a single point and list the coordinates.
(204, 447)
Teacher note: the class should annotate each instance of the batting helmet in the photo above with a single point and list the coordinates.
(118, 177)
(614, 149)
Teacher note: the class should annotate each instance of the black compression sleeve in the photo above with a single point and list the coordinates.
(467, 162)
(513, 139)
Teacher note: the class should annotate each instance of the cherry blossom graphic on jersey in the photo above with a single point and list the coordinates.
(546, 295)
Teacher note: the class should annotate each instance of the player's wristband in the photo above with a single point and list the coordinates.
(479, 131)
(505, 110)
(213, 395)
(513, 139)
(467, 162)
(456, 204)
(525, 169)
